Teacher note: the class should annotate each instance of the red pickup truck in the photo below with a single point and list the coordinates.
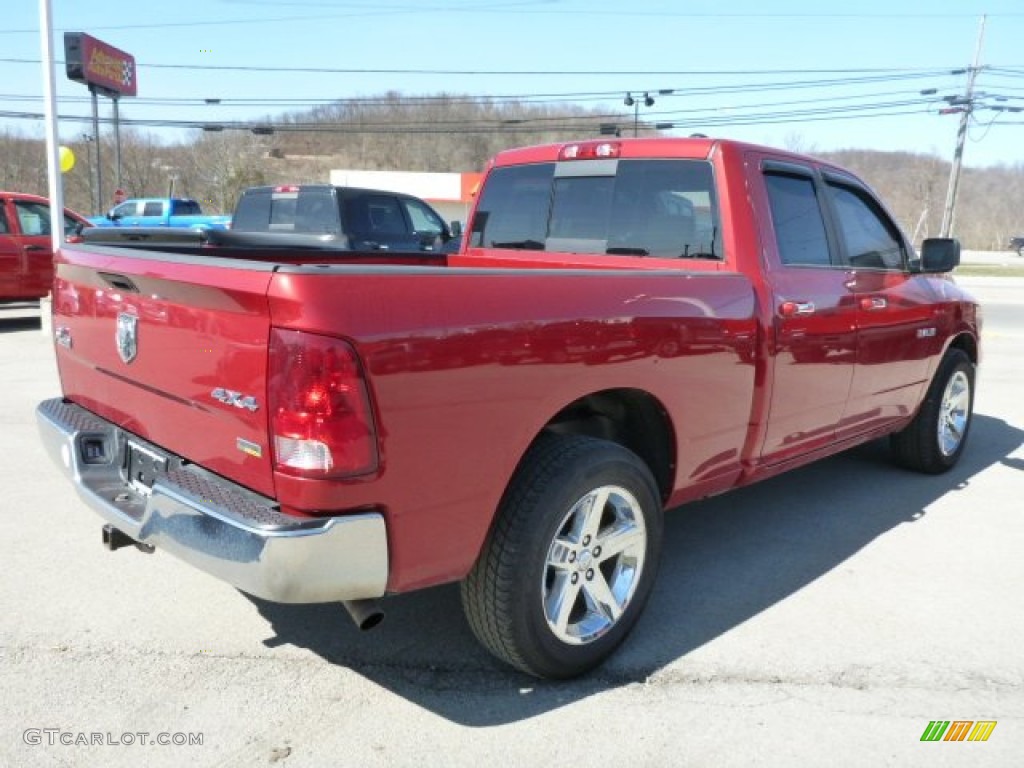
(26, 253)
(630, 325)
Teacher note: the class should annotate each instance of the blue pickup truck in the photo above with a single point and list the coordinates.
(160, 212)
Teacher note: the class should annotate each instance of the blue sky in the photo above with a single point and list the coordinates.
(738, 69)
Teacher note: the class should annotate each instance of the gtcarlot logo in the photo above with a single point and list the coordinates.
(958, 730)
(58, 736)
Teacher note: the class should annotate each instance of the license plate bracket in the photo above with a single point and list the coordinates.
(143, 465)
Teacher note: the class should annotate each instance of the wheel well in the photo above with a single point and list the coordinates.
(630, 417)
(968, 344)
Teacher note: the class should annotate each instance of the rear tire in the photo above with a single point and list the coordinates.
(572, 558)
(935, 439)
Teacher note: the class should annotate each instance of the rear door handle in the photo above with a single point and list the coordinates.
(796, 308)
(873, 303)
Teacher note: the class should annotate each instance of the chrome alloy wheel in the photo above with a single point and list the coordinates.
(594, 565)
(953, 413)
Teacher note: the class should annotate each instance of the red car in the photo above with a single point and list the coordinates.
(26, 255)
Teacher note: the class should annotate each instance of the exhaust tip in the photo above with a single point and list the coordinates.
(366, 614)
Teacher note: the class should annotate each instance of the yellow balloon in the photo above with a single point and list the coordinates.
(67, 159)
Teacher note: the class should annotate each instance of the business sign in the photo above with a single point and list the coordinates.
(98, 65)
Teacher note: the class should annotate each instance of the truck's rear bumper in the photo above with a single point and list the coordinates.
(217, 526)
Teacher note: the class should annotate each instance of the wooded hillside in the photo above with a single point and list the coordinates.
(457, 133)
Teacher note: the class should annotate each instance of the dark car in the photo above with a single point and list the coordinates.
(1017, 244)
(360, 219)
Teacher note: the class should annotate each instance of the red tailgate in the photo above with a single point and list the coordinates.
(173, 349)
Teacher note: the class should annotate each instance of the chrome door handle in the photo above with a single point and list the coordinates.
(873, 303)
(795, 308)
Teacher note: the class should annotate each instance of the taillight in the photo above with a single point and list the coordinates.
(320, 417)
(590, 150)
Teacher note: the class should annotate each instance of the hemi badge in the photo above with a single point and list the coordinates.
(248, 448)
(925, 333)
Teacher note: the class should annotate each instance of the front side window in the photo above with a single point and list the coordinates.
(796, 216)
(869, 239)
(33, 218)
(424, 220)
(124, 209)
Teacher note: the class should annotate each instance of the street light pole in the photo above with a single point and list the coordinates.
(629, 101)
(965, 117)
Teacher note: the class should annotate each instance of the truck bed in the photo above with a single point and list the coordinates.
(254, 246)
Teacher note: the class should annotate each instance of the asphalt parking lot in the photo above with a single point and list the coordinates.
(823, 617)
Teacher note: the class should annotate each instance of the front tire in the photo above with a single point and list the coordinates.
(572, 558)
(935, 439)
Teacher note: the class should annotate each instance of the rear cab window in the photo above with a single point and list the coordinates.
(312, 210)
(662, 208)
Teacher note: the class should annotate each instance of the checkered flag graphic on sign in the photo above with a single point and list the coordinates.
(126, 73)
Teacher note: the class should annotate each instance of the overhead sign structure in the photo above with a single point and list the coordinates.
(96, 64)
(108, 71)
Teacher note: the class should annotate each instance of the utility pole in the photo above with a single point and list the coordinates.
(961, 136)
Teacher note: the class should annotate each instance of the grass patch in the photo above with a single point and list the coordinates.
(990, 270)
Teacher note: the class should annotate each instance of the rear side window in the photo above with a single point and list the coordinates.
(796, 216)
(153, 208)
(374, 216)
(663, 208)
(185, 208)
(869, 238)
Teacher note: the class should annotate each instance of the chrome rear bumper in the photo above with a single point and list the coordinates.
(217, 526)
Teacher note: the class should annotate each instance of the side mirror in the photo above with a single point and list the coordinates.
(940, 254)
(112, 215)
(456, 228)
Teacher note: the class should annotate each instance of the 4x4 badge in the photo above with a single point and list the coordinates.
(127, 336)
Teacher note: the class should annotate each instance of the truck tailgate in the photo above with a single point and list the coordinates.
(173, 349)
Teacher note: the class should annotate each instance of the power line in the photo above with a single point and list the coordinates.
(908, 71)
(529, 9)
